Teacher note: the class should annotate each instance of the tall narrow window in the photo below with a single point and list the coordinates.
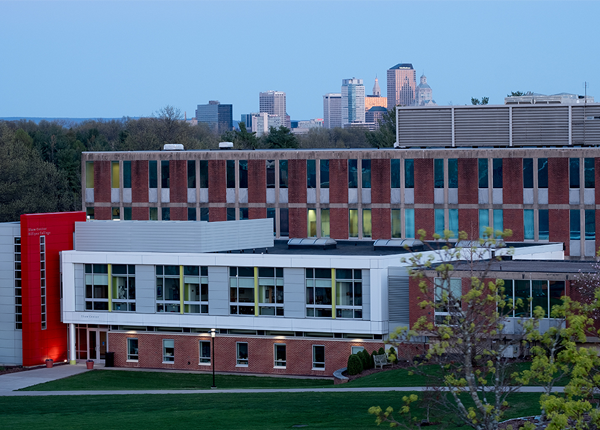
(204, 214)
(589, 173)
(325, 223)
(168, 291)
(203, 173)
(166, 214)
(153, 214)
(279, 355)
(528, 221)
(352, 173)
(168, 351)
(497, 173)
(116, 214)
(243, 173)
(165, 175)
(114, 174)
(574, 173)
(318, 293)
(96, 287)
(284, 225)
(575, 224)
(353, 222)
(18, 291)
(483, 172)
(126, 174)
(396, 223)
(270, 291)
(542, 173)
(453, 222)
(544, 225)
(230, 214)
(244, 213)
(123, 288)
(439, 221)
(270, 164)
(271, 215)
(498, 220)
(191, 174)
(409, 173)
(283, 173)
(89, 174)
(242, 354)
(195, 290)
(409, 222)
(484, 221)
(152, 174)
(590, 224)
(132, 349)
(366, 173)
(527, 172)
(127, 214)
(43, 279)
(241, 290)
(204, 352)
(318, 357)
(191, 214)
(395, 172)
(312, 222)
(438, 173)
(324, 168)
(89, 212)
(230, 167)
(311, 174)
(348, 288)
(366, 222)
(452, 173)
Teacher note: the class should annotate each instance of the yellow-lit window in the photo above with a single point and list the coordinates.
(396, 226)
(89, 174)
(353, 223)
(115, 174)
(312, 223)
(366, 222)
(325, 223)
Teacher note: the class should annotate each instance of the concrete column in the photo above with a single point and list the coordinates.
(72, 346)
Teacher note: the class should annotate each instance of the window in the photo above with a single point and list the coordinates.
(203, 173)
(166, 214)
(43, 280)
(284, 226)
(483, 172)
(497, 173)
(409, 222)
(89, 174)
(311, 174)
(409, 173)
(18, 294)
(279, 355)
(165, 179)
(544, 225)
(352, 173)
(366, 173)
(126, 174)
(574, 173)
(353, 222)
(312, 222)
(527, 172)
(283, 173)
(123, 287)
(132, 349)
(498, 220)
(590, 224)
(204, 214)
(452, 173)
(195, 290)
(356, 349)
(242, 354)
(439, 221)
(324, 167)
(438, 173)
(325, 223)
(114, 176)
(271, 215)
(575, 225)
(152, 174)
(396, 223)
(168, 351)
(348, 287)
(270, 291)
(366, 222)
(528, 224)
(532, 293)
(589, 173)
(168, 289)
(153, 214)
(116, 214)
(270, 173)
(395, 172)
(230, 214)
(318, 293)
(241, 290)
(448, 294)
(191, 174)
(230, 173)
(542, 173)
(318, 357)
(484, 221)
(191, 214)
(205, 352)
(89, 212)
(127, 214)
(243, 213)
(453, 220)
(243, 173)
(96, 287)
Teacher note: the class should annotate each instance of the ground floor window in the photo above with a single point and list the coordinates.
(132, 349)
(318, 357)
(168, 351)
(357, 349)
(279, 353)
(242, 354)
(205, 352)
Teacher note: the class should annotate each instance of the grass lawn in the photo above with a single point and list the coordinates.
(134, 380)
(212, 411)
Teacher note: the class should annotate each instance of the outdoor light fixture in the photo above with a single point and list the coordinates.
(213, 333)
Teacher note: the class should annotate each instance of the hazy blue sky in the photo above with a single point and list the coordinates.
(113, 59)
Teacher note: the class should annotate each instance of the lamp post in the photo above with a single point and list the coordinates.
(213, 333)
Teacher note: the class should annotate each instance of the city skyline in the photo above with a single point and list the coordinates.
(114, 59)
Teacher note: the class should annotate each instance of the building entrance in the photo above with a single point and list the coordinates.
(97, 343)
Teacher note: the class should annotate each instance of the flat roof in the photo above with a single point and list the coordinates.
(531, 266)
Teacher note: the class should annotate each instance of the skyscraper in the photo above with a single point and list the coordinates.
(353, 101)
(376, 89)
(375, 99)
(219, 117)
(332, 110)
(401, 84)
(424, 94)
(274, 103)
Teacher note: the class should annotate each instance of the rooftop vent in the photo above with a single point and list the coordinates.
(411, 244)
(225, 145)
(173, 147)
(312, 243)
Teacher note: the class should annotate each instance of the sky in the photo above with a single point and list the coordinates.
(88, 59)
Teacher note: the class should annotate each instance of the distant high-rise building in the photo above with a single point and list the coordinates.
(375, 99)
(262, 121)
(376, 89)
(218, 116)
(401, 85)
(423, 94)
(353, 101)
(332, 110)
(375, 114)
(274, 103)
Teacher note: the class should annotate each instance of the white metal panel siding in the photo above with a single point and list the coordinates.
(10, 337)
(145, 289)
(547, 125)
(586, 132)
(425, 127)
(79, 283)
(481, 127)
(398, 297)
(218, 290)
(294, 293)
(366, 294)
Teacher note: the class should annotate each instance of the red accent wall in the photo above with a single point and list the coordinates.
(178, 185)
(512, 182)
(257, 182)
(468, 182)
(217, 193)
(139, 184)
(58, 228)
(424, 182)
(558, 184)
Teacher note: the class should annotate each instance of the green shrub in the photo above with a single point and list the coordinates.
(392, 356)
(354, 365)
(381, 351)
(364, 358)
(372, 360)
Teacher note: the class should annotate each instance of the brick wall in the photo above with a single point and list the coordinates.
(139, 184)
(424, 181)
(102, 170)
(297, 182)
(217, 193)
(260, 353)
(298, 222)
(178, 183)
(102, 212)
(338, 184)
(338, 223)
(257, 182)
(178, 213)
(467, 182)
(513, 219)
(558, 220)
(425, 219)
(512, 182)
(558, 184)
(140, 214)
(380, 181)
(381, 223)
(468, 221)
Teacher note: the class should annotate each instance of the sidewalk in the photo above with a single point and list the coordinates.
(15, 381)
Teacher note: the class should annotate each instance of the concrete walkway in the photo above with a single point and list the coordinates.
(26, 378)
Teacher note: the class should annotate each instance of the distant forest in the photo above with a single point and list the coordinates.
(40, 164)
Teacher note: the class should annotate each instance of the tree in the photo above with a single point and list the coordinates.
(281, 137)
(244, 138)
(385, 136)
(515, 94)
(483, 101)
